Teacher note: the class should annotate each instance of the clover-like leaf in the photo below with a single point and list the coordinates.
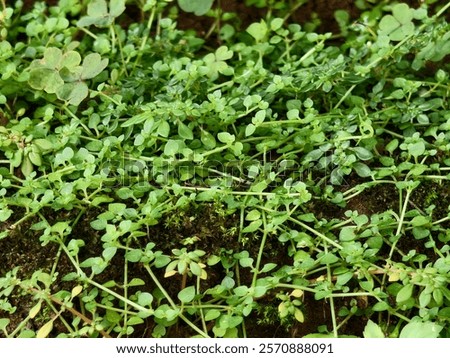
(98, 14)
(93, 65)
(74, 92)
(258, 30)
(45, 79)
(70, 60)
(223, 53)
(398, 25)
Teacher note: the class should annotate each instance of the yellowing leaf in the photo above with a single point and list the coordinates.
(35, 310)
(299, 315)
(297, 293)
(170, 273)
(76, 290)
(45, 330)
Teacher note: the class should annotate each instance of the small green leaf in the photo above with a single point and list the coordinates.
(212, 314)
(363, 153)
(116, 7)
(253, 215)
(171, 148)
(4, 323)
(109, 253)
(372, 330)
(208, 140)
(134, 255)
(347, 233)
(73, 92)
(226, 138)
(416, 149)
(420, 220)
(268, 267)
(136, 282)
(145, 299)
(187, 295)
(184, 131)
(246, 262)
(93, 65)
(250, 129)
(198, 7)
(392, 145)
(405, 293)
(254, 225)
(362, 170)
(380, 306)
(43, 144)
(258, 30)
(421, 330)
(223, 53)
(299, 316)
(163, 129)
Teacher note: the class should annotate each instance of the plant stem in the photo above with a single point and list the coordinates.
(261, 249)
(172, 303)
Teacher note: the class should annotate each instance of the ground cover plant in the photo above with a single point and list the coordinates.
(254, 178)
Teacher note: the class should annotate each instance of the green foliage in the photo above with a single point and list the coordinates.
(177, 183)
(198, 7)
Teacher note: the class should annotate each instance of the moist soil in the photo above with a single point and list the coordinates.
(23, 249)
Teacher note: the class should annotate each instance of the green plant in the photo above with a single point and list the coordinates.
(171, 187)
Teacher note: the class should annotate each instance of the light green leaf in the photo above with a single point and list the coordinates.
(136, 282)
(145, 299)
(405, 293)
(212, 314)
(421, 330)
(97, 8)
(253, 226)
(163, 129)
(347, 233)
(250, 129)
(362, 170)
(253, 215)
(184, 131)
(4, 323)
(116, 7)
(420, 220)
(73, 92)
(258, 30)
(208, 140)
(198, 7)
(372, 330)
(226, 138)
(93, 65)
(416, 149)
(223, 53)
(187, 295)
(171, 148)
(45, 79)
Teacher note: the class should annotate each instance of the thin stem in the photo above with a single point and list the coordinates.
(261, 249)
(172, 303)
(145, 39)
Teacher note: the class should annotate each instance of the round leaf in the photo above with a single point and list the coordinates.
(187, 295)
